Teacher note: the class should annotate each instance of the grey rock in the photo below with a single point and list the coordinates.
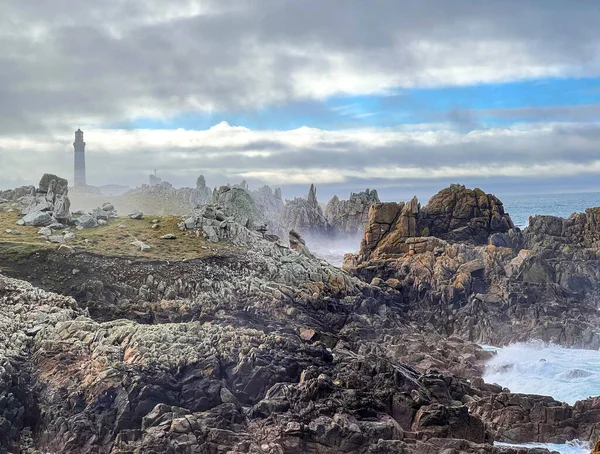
(137, 216)
(60, 186)
(351, 216)
(143, 247)
(168, 236)
(45, 231)
(38, 219)
(87, 221)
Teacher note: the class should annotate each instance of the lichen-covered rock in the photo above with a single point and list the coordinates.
(240, 205)
(351, 216)
(48, 204)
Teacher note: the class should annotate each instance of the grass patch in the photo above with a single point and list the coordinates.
(111, 240)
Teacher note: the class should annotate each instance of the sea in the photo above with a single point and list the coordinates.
(565, 374)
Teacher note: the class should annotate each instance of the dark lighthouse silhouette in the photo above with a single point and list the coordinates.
(79, 145)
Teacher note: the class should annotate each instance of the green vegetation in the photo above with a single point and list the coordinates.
(113, 240)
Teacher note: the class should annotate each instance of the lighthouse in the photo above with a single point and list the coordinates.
(79, 145)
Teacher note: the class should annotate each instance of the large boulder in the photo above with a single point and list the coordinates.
(38, 219)
(460, 214)
(60, 187)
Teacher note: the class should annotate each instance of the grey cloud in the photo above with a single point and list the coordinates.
(100, 62)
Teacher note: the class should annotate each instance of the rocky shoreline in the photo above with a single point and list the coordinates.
(266, 349)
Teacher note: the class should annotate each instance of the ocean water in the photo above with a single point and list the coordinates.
(572, 447)
(568, 375)
(520, 207)
(565, 374)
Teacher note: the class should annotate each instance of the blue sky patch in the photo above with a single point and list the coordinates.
(466, 108)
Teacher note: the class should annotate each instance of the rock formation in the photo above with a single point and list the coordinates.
(266, 349)
(351, 216)
(49, 204)
(492, 294)
(306, 216)
(240, 205)
(14, 195)
(268, 201)
(163, 190)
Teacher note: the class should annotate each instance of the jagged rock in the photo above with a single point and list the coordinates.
(493, 294)
(13, 195)
(461, 214)
(137, 216)
(298, 244)
(51, 197)
(305, 216)
(59, 186)
(351, 216)
(106, 206)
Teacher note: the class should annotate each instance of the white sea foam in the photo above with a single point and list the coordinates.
(568, 375)
(572, 447)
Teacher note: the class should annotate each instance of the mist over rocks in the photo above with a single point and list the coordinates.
(262, 347)
(306, 215)
(352, 215)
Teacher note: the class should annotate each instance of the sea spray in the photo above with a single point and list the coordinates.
(568, 375)
(333, 249)
(571, 447)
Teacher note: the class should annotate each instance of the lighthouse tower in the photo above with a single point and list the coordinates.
(79, 146)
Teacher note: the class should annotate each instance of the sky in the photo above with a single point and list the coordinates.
(402, 96)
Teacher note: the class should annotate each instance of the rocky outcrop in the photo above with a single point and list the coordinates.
(240, 205)
(461, 214)
(493, 294)
(163, 190)
(305, 216)
(49, 204)
(221, 386)
(13, 195)
(268, 201)
(455, 214)
(351, 216)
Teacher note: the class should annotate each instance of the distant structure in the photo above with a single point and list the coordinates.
(154, 180)
(79, 145)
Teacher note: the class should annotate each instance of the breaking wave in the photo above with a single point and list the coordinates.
(572, 447)
(568, 375)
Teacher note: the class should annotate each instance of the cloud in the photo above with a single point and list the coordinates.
(302, 156)
(64, 65)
